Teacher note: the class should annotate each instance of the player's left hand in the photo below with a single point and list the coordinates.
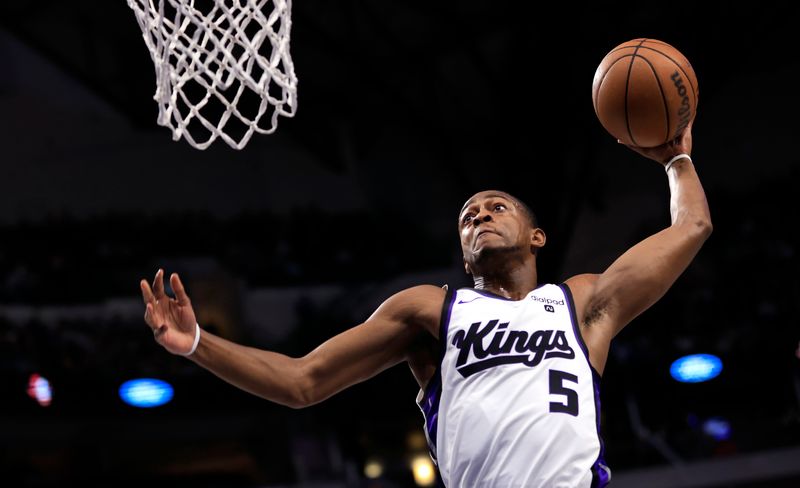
(172, 320)
(663, 153)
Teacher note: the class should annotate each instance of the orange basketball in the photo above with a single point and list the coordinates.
(645, 92)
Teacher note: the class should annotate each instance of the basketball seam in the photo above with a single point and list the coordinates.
(688, 78)
(620, 48)
(627, 86)
(691, 85)
(661, 90)
(600, 84)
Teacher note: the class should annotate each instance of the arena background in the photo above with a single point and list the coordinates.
(405, 110)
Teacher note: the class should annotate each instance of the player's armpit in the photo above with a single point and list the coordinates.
(581, 289)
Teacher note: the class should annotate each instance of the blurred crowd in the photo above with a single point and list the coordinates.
(69, 260)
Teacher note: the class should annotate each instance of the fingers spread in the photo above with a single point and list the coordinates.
(180, 291)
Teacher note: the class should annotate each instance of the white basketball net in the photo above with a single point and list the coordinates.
(221, 66)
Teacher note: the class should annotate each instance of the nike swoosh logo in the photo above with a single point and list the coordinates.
(467, 301)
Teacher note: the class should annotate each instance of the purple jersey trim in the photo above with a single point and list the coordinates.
(433, 390)
(600, 472)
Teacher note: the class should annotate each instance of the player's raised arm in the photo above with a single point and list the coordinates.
(642, 275)
(348, 358)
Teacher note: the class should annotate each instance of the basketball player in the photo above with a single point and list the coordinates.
(509, 370)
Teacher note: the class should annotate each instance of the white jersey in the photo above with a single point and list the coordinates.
(514, 402)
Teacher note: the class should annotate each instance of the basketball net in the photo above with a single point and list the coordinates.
(211, 58)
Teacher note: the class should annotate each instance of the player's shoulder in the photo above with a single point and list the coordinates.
(419, 305)
(423, 292)
(582, 287)
(581, 281)
(418, 299)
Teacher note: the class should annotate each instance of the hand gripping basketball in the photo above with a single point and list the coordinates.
(172, 320)
(665, 152)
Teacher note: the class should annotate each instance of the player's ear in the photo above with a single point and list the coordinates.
(466, 267)
(538, 238)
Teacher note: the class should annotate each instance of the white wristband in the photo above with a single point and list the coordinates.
(679, 156)
(196, 340)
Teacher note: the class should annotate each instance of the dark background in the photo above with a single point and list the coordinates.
(405, 110)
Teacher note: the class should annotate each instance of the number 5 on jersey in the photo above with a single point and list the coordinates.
(557, 387)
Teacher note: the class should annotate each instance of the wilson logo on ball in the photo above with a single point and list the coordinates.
(685, 110)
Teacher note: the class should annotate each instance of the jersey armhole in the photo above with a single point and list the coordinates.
(576, 328)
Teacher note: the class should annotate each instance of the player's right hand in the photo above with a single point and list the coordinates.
(663, 153)
(172, 320)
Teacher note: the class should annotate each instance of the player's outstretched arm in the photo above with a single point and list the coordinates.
(348, 358)
(642, 275)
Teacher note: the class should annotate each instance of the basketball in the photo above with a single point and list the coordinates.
(645, 92)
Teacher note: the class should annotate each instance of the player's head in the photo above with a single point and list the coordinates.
(494, 224)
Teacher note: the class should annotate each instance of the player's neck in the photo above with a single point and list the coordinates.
(514, 284)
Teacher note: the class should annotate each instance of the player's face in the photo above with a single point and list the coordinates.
(491, 220)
